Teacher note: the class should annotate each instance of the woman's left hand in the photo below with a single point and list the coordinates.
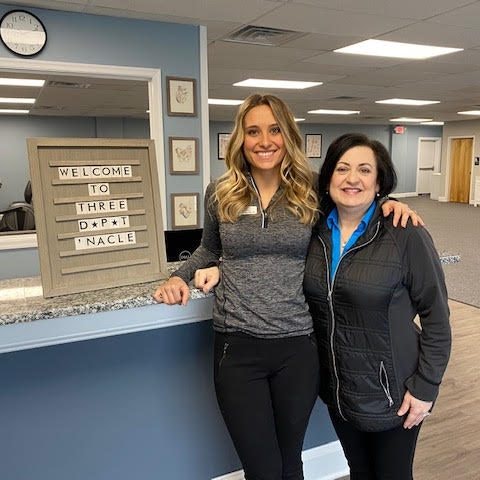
(401, 211)
(417, 410)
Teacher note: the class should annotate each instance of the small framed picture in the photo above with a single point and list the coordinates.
(223, 139)
(181, 97)
(184, 210)
(313, 145)
(183, 155)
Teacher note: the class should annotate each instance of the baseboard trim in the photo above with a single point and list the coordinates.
(326, 462)
(442, 199)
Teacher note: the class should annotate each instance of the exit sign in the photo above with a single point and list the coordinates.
(399, 129)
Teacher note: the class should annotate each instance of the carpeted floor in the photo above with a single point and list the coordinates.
(455, 229)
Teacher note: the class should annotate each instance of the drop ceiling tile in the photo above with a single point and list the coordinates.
(432, 34)
(392, 8)
(306, 18)
(240, 11)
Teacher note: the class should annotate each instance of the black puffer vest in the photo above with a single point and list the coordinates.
(363, 318)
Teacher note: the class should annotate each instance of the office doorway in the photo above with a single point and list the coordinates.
(428, 163)
(461, 150)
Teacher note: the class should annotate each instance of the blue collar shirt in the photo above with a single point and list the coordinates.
(333, 225)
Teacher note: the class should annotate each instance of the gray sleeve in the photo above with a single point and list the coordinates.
(210, 249)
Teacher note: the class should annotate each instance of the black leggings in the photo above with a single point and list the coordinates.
(386, 455)
(266, 389)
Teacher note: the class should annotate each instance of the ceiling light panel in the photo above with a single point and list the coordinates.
(323, 111)
(265, 83)
(17, 100)
(12, 110)
(433, 123)
(407, 101)
(223, 101)
(383, 48)
(469, 112)
(22, 82)
(410, 119)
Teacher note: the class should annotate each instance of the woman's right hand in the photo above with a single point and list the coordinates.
(173, 292)
(207, 278)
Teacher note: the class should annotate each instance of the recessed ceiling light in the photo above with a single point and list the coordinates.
(470, 112)
(12, 110)
(323, 111)
(410, 119)
(407, 101)
(265, 83)
(299, 119)
(382, 48)
(433, 123)
(22, 82)
(223, 101)
(17, 100)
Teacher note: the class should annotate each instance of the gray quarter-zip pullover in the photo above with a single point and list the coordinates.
(263, 261)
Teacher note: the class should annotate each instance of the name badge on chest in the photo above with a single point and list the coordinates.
(251, 210)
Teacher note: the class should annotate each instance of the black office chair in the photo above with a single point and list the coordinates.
(19, 215)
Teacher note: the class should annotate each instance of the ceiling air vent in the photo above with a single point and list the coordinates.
(346, 97)
(262, 35)
(57, 84)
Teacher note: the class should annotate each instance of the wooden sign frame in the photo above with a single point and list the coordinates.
(97, 212)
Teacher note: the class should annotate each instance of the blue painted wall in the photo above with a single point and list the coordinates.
(97, 39)
(132, 406)
(403, 148)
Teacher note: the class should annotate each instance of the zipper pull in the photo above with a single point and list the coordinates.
(265, 220)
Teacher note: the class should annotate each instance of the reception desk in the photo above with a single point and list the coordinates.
(110, 385)
(33, 321)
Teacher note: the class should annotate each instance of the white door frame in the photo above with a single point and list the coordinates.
(438, 155)
(448, 166)
(150, 75)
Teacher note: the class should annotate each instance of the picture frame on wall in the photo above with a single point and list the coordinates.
(313, 145)
(183, 155)
(223, 139)
(181, 96)
(185, 214)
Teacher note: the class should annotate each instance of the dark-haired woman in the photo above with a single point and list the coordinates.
(365, 281)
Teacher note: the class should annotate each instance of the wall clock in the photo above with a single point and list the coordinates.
(23, 33)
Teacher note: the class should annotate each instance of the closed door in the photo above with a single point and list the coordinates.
(426, 163)
(460, 167)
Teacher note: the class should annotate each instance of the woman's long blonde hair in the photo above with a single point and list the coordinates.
(234, 193)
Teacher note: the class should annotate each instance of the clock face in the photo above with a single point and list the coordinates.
(22, 33)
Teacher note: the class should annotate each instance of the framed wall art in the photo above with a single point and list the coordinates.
(223, 139)
(97, 213)
(185, 213)
(313, 145)
(183, 155)
(181, 96)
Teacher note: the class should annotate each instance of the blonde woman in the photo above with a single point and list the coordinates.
(258, 220)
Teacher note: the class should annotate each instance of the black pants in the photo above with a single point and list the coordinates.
(386, 455)
(266, 389)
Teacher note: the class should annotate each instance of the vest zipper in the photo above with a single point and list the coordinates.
(330, 285)
(385, 384)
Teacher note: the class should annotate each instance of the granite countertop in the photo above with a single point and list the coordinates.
(21, 299)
